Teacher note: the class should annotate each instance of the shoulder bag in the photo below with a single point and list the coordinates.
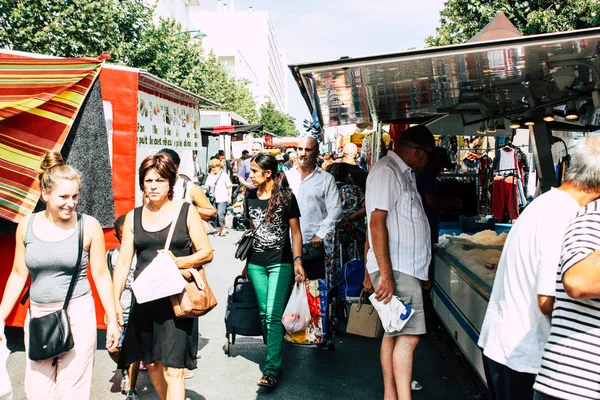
(50, 335)
(210, 191)
(244, 245)
(363, 319)
(196, 299)
(161, 278)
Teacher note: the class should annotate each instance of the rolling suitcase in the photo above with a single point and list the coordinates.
(242, 314)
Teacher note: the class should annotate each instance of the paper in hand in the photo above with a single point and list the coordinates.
(394, 315)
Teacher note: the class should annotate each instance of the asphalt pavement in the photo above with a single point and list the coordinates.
(351, 371)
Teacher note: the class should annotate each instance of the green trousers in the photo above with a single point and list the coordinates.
(272, 286)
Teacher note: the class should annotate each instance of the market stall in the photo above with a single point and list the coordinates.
(104, 119)
(528, 88)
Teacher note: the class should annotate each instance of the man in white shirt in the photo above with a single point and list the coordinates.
(399, 249)
(517, 324)
(319, 201)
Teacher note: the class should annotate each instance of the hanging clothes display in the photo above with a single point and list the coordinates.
(508, 189)
(505, 197)
(366, 152)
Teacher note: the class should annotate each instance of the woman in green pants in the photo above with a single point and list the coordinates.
(275, 260)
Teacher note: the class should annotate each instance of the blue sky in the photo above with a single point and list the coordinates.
(321, 30)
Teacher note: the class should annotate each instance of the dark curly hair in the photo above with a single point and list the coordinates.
(281, 189)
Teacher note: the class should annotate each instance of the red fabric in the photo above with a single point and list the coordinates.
(396, 131)
(504, 196)
(314, 304)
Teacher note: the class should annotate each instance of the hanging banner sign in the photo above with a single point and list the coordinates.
(164, 123)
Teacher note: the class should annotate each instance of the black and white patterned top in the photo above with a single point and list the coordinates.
(271, 243)
(571, 360)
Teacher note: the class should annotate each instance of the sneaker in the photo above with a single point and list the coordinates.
(143, 366)
(124, 381)
(132, 395)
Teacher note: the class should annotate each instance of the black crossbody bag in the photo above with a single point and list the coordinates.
(244, 245)
(50, 335)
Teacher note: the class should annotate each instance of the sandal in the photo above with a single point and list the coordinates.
(416, 386)
(267, 381)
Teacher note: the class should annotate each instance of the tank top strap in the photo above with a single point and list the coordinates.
(29, 231)
(182, 218)
(137, 220)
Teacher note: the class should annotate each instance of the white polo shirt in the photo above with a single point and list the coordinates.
(392, 187)
(514, 329)
(319, 201)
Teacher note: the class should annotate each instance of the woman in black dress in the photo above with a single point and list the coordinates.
(154, 335)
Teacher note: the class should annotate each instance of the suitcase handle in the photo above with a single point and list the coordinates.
(237, 282)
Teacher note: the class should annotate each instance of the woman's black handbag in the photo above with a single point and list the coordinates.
(244, 245)
(50, 335)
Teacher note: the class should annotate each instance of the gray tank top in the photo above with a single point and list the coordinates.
(51, 265)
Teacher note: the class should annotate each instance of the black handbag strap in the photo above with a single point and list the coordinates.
(247, 212)
(78, 264)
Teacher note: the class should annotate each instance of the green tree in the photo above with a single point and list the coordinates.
(461, 19)
(74, 28)
(277, 122)
(168, 53)
(125, 30)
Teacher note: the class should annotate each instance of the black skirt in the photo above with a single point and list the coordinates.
(155, 334)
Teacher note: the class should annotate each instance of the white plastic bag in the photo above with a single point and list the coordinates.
(296, 316)
(5, 386)
(161, 278)
(393, 315)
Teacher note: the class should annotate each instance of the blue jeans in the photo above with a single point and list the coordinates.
(221, 211)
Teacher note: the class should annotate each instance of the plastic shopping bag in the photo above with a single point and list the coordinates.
(5, 386)
(296, 316)
(393, 315)
(161, 278)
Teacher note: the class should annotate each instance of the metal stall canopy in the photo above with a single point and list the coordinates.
(455, 89)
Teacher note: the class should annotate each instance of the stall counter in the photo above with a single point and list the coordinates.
(464, 275)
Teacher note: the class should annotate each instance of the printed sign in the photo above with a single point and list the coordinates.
(163, 123)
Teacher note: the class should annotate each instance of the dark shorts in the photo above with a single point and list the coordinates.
(507, 384)
(542, 396)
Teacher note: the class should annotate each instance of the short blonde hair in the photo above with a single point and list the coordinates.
(215, 162)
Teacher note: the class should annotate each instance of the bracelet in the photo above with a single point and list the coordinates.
(297, 258)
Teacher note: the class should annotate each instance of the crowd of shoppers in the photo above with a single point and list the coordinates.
(541, 325)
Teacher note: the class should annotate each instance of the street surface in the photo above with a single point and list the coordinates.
(352, 371)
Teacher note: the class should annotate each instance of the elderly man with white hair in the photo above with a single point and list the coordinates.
(517, 322)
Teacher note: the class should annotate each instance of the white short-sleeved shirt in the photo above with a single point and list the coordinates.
(221, 182)
(391, 187)
(514, 330)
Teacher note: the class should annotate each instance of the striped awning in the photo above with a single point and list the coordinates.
(39, 100)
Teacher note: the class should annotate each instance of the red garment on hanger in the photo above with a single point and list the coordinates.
(505, 195)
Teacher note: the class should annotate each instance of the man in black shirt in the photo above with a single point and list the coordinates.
(359, 176)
